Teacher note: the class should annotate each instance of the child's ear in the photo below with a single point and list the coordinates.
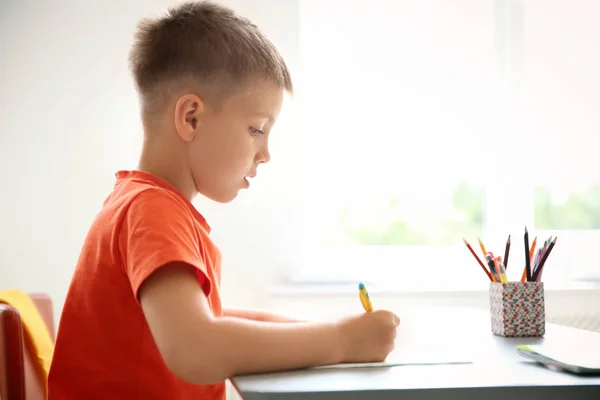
(188, 112)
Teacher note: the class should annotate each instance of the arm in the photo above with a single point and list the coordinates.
(202, 349)
(159, 244)
(258, 315)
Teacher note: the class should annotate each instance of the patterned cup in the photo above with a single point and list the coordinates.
(517, 309)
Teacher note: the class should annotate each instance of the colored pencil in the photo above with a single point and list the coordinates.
(545, 257)
(536, 259)
(532, 256)
(493, 267)
(527, 257)
(538, 277)
(478, 260)
(540, 255)
(483, 250)
(506, 250)
(501, 269)
(490, 262)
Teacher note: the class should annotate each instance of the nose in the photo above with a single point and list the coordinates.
(263, 156)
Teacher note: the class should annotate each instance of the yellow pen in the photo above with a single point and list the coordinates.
(364, 298)
(503, 276)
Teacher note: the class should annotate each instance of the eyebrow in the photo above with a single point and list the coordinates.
(269, 117)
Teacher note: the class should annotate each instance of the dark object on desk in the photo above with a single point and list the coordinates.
(568, 357)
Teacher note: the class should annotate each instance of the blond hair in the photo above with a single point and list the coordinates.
(201, 43)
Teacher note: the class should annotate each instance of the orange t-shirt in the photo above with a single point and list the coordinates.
(104, 348)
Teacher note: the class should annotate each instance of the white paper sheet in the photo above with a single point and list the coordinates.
(397, 359)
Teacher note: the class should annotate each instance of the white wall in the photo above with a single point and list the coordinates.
(69, 121)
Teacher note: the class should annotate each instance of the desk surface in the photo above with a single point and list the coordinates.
(497, 371)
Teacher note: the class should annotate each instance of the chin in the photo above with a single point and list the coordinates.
(223, 198)
(226, 199)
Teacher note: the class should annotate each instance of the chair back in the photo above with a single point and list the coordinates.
(19, 376)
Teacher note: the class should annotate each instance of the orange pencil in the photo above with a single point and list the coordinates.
(478, 260)
(532, 250)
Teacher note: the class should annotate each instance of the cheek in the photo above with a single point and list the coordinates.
(240, 158)
(220, 158)
(203, 162)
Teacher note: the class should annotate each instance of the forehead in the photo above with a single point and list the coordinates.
(257, 96)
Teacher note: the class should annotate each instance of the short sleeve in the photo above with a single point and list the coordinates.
(157, 230)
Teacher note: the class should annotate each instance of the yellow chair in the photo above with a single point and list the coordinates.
(21, 377)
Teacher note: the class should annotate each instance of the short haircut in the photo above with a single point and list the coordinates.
(203, 44)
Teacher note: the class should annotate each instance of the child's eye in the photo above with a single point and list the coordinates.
(255, 131)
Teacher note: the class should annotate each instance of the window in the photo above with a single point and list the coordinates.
(428, 121)
(561, 94)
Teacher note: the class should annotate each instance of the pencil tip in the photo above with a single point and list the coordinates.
(525, 229)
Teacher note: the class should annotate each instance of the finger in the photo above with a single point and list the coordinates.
(396, 320)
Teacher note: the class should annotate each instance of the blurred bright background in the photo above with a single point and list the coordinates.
(416, 123)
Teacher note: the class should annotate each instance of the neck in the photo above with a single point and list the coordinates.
(166, 162)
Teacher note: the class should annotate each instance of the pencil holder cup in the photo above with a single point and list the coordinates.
(518, 309)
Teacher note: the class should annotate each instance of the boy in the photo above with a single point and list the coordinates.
(143, 317)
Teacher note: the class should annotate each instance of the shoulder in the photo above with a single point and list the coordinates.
(139, 193)
(135, 189)
(158, 208)
(153, 196)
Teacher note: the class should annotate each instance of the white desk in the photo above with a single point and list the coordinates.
(497, 371)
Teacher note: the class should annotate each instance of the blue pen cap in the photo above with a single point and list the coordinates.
(361, 286)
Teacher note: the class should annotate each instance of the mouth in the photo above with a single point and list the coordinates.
(248, 178)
